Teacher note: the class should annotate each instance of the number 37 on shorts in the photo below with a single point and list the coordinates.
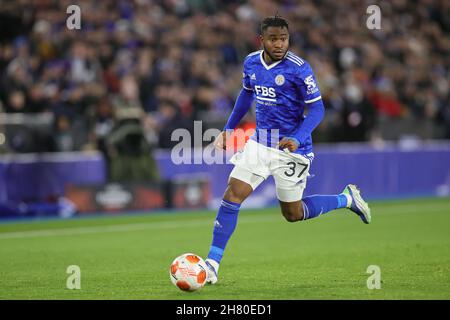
(296, 167)
(288, 169)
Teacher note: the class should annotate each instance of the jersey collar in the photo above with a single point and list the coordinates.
(273, 64)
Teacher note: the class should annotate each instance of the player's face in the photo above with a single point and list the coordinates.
(275, 41)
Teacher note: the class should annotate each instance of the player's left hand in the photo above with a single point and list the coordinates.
(289, 143)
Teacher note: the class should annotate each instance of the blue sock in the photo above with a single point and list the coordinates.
(224, 226)
(314, 206)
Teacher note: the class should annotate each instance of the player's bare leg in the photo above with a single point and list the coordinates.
(317, 205)
(236, 192)
(292, 211)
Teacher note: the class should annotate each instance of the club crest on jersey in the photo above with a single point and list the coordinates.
(253, 77)
(279, 79)
(310, 84)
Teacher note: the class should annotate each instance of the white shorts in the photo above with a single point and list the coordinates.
(257, 162)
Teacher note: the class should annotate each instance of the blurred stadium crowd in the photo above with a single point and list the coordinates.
(142, 68)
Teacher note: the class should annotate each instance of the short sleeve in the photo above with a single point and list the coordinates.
(308, 85)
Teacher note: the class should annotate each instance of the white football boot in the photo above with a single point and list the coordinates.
(213, 268)
(357, 203)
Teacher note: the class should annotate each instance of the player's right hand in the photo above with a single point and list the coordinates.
(221, 141)
(290, 143)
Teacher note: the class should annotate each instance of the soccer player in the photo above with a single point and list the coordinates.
(284, 87)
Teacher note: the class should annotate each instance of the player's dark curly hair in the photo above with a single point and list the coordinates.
(275, 21)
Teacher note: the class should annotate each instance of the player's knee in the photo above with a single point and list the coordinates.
(292, 217)
(234, 194)
(293, 214)
(231, 196)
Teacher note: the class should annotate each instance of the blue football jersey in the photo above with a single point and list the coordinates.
(281, 91)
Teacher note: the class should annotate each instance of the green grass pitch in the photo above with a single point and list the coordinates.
(128, 256)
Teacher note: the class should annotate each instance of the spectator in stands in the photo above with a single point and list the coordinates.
(186, 55)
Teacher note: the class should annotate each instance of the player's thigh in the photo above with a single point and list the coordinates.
(237, 191)
(290, 175)
(254, 158)
(290, 193)
(241, 184)
(290, 181)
